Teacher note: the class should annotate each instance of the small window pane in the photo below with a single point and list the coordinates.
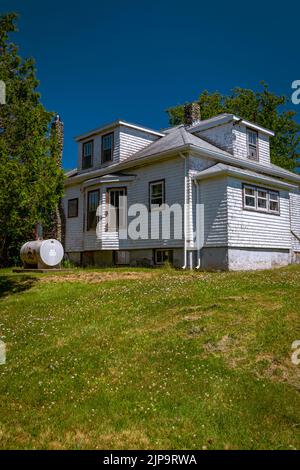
(274, 206)
(73, 208)
(262, 203)
(262, 199)
(157, 193)
(249, 191)
(107, 147)
(250, 201)
(87, 155)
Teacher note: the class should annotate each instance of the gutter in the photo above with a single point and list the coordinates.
(184, 213)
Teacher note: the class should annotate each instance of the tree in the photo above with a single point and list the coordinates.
(31, 184)
(262, 107)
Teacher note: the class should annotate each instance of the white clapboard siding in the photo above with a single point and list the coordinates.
(127, 141)
(74, 235)
(295, 219)
(213, 195)
(240, 145)
(133, 140)
(221, 136)
(254, 229)
(172, 171)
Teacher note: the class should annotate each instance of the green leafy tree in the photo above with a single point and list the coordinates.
(31, 183)
(262, 107)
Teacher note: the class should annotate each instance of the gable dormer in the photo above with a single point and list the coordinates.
(112, 144)
(241, 138)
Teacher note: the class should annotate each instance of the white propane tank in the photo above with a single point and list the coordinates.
(42, 253)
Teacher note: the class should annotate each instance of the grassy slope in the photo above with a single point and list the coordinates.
(162, 359)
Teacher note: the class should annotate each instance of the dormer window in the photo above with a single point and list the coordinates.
(107, 147)
(87, 155)
(252, 138)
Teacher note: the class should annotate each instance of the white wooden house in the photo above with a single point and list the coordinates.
(250, 207)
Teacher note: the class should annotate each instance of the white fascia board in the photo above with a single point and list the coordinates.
(256, 127)
(114, 124)
(202, 126)
(222, 120)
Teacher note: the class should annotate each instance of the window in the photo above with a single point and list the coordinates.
(261, 199)
(252, 138)
(107, 147)
(72, 208)
(92, 206)
(249, 197)
(117, 209)
(87, 154)
(163, 256)
(157, 193)
(274, 201)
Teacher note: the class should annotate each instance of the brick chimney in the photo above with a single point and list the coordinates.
(192, 113)
(57, 224)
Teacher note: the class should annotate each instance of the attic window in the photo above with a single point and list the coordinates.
(107, 147)
(252, 138)
(87, 155)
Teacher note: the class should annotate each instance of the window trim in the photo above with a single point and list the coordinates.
(248, 130)
(71, 200)
(256, 190)
(88, 208)
(151, 183)
(83, 156)
(112, 147)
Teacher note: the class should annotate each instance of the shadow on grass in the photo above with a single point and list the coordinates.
(15, 284)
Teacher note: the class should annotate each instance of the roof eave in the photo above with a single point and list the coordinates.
(113, 125)
(239, 173)
(229, 118)
(246, 164)
(127, 164)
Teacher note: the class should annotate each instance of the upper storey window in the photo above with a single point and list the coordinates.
(87, 155)
(107, 147)
(252, 138)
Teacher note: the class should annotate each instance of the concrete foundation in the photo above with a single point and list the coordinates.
(252, 259)
(212, 258)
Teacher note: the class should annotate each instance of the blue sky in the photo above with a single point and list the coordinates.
(99, 61)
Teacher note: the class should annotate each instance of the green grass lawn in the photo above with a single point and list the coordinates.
(147, 359)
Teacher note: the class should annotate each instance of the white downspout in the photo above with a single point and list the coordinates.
(184, 213)
(197, 226)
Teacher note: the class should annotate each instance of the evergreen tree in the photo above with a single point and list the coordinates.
(31, 183)
(262, 107)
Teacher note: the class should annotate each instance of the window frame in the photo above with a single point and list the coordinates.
(248, 131)
(88, 226)
(83, 157)
(109, 190)
(256, 190)
(151, 184)
(112, 147)
(272, 200)
(72, 200)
